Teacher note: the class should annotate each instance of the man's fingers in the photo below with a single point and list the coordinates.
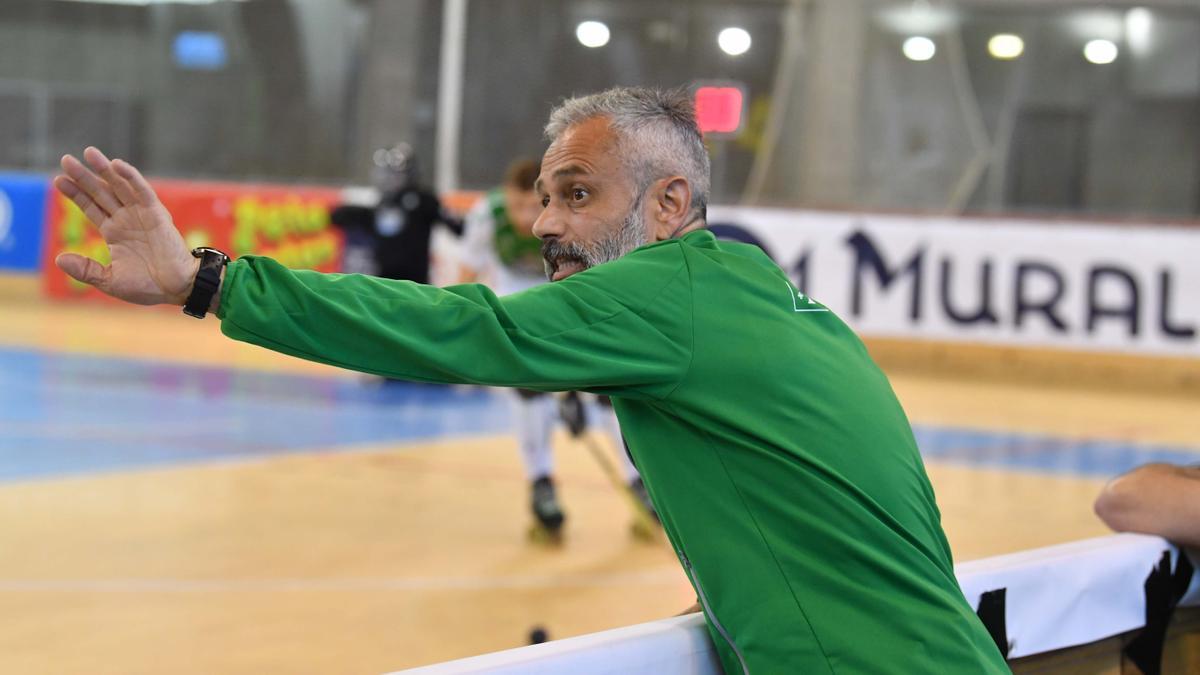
(72, 191)
(83, 269)
(66, 186)
(90, 183)
(104, 167)
(141, 186)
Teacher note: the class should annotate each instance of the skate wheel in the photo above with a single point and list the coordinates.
(545, 537)
(642, 531)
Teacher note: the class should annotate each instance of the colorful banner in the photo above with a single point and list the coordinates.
(290, 224)
(22, 208)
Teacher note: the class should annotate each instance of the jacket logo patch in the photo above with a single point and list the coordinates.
(803, 303)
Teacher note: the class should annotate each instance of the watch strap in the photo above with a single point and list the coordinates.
(208, 280)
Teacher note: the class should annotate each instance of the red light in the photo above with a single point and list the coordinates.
(719, 109)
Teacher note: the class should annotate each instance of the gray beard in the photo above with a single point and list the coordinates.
(630, 234)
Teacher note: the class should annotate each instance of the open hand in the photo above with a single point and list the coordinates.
(151, 264)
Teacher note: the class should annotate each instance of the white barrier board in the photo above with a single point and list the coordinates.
(1056, 597)
(677, 645)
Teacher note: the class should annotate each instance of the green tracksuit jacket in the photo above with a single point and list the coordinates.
(783, 468)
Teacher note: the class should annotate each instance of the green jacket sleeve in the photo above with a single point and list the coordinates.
(622, 328)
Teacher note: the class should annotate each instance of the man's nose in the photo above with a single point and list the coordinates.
(547, 225)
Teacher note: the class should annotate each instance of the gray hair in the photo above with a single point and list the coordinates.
(656, 132)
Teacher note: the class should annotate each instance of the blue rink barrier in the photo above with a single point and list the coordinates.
(1049, 598)
(22, 216)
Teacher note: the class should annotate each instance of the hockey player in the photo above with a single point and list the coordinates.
(500, 249)
(391, 239)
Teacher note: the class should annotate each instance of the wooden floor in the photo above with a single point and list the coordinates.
(376, 557)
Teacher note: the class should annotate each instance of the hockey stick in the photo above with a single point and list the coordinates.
(645, 526)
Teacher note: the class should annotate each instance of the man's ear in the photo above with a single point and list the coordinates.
(671, 206)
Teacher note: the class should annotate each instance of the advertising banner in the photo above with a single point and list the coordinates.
(22, 210)
(290, 224)
(1133, 289)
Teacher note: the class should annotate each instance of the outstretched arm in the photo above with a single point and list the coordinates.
(1161, 499)
(448, 219)
(622, 328)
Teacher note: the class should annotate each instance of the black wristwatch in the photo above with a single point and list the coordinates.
(208, 280)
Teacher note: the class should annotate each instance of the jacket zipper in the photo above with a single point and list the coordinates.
(687, 566)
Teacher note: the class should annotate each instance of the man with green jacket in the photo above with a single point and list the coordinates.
(776, 454)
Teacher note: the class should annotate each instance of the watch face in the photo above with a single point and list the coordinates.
(199, 252)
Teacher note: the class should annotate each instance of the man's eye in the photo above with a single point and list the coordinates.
(545, 202)
(579, 194)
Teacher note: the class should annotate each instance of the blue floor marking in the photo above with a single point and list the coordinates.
(1095, 458)
(66, 414)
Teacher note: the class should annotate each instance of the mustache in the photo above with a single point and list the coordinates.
(620, 238)
(555, 253)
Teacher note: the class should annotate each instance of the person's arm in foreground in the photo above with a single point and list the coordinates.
(613, 332)
(1160, 499)
(446, 218)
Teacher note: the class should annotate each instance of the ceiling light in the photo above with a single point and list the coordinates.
(592, 34)
(919, 48)
(734, 41)
(1100, 52)
(1006, 46)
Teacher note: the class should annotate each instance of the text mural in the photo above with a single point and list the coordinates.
(1093, 287)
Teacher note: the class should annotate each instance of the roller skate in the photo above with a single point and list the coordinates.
(547, 513)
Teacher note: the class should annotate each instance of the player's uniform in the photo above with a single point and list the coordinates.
(507, 259)
(783, 468)
(394, 235)
(510, 261)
